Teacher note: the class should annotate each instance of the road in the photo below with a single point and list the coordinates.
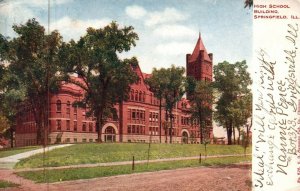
(229, 178)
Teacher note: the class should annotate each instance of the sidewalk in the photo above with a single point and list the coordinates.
(126, 162)
(10, 161)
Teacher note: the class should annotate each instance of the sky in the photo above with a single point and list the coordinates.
(167, 29)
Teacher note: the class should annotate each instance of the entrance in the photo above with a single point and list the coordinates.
(110, 134)
(185, 137)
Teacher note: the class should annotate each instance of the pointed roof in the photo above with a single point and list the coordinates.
(199, 46)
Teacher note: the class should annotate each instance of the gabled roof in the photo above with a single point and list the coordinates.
(199, 46)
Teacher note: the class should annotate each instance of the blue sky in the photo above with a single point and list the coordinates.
(168, 29)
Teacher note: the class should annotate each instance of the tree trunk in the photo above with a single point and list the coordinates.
(12, 137)
(121, 121)
(233, 131)
(160, 106)
(171, 126)
(229, 133)
(239, 137)
(166, 128)
(99, 127)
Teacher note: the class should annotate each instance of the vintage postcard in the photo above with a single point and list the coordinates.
(149, 95)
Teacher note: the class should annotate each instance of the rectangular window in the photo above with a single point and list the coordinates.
(67, 140)
(75, 125)
(84, 140)
(90, 140)
(133, 114)
(58, 125)
(84, 126)
(68, 125)
(90, 127)
(133, 129)
(129, 129)
(75, 140)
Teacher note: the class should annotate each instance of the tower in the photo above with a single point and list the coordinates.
(199, 63)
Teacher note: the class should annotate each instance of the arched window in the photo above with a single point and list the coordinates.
(144, 96)
(140, 96)
(68, 107)
(58, 106)
(132, 95)
(136, 95)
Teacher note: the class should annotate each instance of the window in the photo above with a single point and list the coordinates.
(75, 140)
(67, 140)
(84, 126)
(140, 96)
(68, 125)
(75, 110)
(58, 124)
(90, 127)
(75, 125)
(90, 140)
(84, 140)
(133, 114)
(58, 106)
(136, 95)
(129, 129)
(68, 108)
(144, 96)
(132, 95)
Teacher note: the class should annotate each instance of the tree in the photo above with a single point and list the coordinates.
(248, 3)
(231, 81)
(241, 110)
(176, 85)
(32, 58)
(201, 98)
(105, 77)
(158, 84)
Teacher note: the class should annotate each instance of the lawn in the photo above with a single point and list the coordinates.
(6, 184)
(99, 153)
(14, 151)
(87, 173)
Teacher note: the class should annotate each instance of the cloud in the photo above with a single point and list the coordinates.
(173, 48)
(74, 28)
(19, 11)
(174, 31)
(169, 15)
(135, 11)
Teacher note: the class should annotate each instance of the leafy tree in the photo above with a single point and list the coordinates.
(241, 110)
(248, 3)
(105, 77)
(176, 85)
(201, 97)
(231, 81)
(32, 58)
(158, 84)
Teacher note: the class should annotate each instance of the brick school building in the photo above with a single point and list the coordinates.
(135, 120)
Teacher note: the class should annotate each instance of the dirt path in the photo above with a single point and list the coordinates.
(230, 178)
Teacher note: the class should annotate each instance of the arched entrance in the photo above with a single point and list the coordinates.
(110, 134)
(185, 137)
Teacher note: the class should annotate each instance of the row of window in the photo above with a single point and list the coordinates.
(85, 125)
(136, 129)
(75, 140)
(140, 96)
(136, 114)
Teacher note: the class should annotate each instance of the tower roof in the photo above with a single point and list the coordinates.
(199, 46)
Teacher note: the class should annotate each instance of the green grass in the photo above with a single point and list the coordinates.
(14, 151)
(87, 173)
(99, 153)
(6, 184)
